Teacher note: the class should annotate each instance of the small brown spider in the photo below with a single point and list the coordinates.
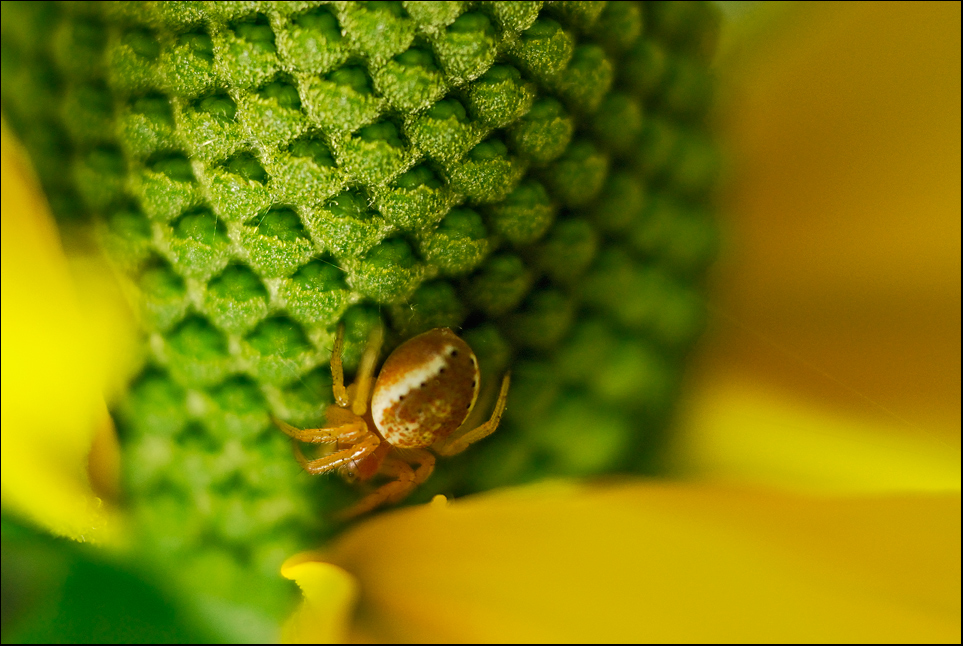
(425, 391)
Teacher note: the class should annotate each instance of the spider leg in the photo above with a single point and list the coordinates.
(426, 464)
(366, 371)
(351, 431)
(396, 490)
(337, 370)
(458, 444)
(342, 458)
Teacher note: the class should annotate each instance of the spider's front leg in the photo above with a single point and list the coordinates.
(365, 378)
(343, 458)
(346, 428)
(358, 400)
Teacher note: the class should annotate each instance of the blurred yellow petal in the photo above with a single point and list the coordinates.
(844, 278)
(329, 593)
(53, 370)
(834, 363)
(103, 462)
(638, 561)
(739, 430)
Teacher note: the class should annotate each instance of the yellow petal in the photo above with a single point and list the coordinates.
(844, 279)
(738, 429)
(52, 373)
(329, 593)
(637, 561)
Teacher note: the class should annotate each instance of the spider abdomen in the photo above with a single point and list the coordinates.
(425, 390)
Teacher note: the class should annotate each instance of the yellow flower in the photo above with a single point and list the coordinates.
(819, 492)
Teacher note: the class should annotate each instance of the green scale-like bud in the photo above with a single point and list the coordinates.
(534, 175)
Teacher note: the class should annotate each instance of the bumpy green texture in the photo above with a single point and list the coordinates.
(535, 175)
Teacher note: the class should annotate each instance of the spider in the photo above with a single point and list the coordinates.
(424, 393)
